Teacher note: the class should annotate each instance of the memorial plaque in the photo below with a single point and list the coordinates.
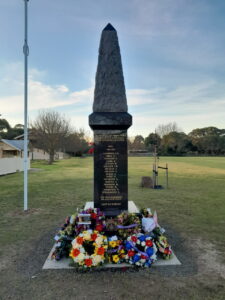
(110, 122)
(110, 161)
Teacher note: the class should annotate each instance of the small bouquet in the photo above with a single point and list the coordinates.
(116, 251)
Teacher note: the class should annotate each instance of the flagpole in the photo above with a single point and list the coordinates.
(25, 152)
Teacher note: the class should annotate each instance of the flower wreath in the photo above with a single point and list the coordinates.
(141, 250)
(89, 249)
(163, 247)
(128, 224)
(72, 228)
(116, 252)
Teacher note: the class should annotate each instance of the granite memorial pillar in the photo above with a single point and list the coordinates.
(110, 122)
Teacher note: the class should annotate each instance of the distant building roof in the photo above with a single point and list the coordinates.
(17, 144)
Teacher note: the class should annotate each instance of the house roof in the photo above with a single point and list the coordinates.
(17, 144)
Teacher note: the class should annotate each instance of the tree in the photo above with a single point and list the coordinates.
(51, 130)
(138, 143)
(164, 129)
(76, 143)
(8, 132)
(208, 140)
(206, 131)
(4, 128)
(176, 143)
(152, 140)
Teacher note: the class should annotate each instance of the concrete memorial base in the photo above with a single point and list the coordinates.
(65, 262)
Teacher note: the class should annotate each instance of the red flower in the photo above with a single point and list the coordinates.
(88, 262)
(101, 251)
(93, 215)
(130, 253)
(134, 239)
(80, 240)
(143, 256)
(94, 236)
(99, 227)
(75, 252)
(91, 151)
(149, 243)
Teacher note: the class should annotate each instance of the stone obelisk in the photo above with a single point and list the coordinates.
(110, 122)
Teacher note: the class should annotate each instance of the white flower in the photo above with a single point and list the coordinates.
(80, 257)
(143, 243)
(87, 235)
(138, 241)
(97, 259)
(153, 257)
(142, 260)
(99, 240)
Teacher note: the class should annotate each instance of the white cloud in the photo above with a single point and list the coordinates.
(191, 106)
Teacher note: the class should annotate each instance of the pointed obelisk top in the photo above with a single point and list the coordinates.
(109, 27)
(110, 95)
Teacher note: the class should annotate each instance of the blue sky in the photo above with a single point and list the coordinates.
(173, 55)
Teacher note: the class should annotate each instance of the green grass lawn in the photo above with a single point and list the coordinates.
(194, 203)
(194, 206)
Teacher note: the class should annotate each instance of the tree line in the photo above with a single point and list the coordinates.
(170, 140)
(51, 132)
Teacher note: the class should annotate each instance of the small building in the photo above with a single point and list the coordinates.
(11, 156)
(11, 148)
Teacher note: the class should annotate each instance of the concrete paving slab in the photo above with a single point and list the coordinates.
(65, 263)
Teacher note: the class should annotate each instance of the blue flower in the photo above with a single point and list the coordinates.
(147, 264)
(141, 238)
(136, 258)
(150, 251)
(128, 246)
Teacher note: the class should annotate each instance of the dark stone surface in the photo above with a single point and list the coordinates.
(109, 95)
(110, 122)
(119, 120)
(110, 171)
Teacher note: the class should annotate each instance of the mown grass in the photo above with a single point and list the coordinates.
(194, 204)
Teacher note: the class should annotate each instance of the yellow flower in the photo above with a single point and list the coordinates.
(116, 258)
(86, 235)
(113, 244)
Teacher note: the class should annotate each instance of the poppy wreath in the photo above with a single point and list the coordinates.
(89, 249)
(116, 251)
(141, 250)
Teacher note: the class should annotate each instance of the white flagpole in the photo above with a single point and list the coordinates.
(25, 152)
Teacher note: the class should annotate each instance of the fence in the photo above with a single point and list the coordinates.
(12, 165)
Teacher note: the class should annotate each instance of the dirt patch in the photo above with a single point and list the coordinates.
(209, 258)
(22, 213)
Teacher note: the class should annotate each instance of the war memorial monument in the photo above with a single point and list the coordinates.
(110, 231)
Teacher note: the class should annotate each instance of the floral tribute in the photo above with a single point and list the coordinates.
(141, 250)
(116, 250)
(128, 224)
(91, 240)
(164, 248)
(72, 227)
(89, 249)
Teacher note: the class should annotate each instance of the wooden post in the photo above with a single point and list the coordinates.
(167, 177)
